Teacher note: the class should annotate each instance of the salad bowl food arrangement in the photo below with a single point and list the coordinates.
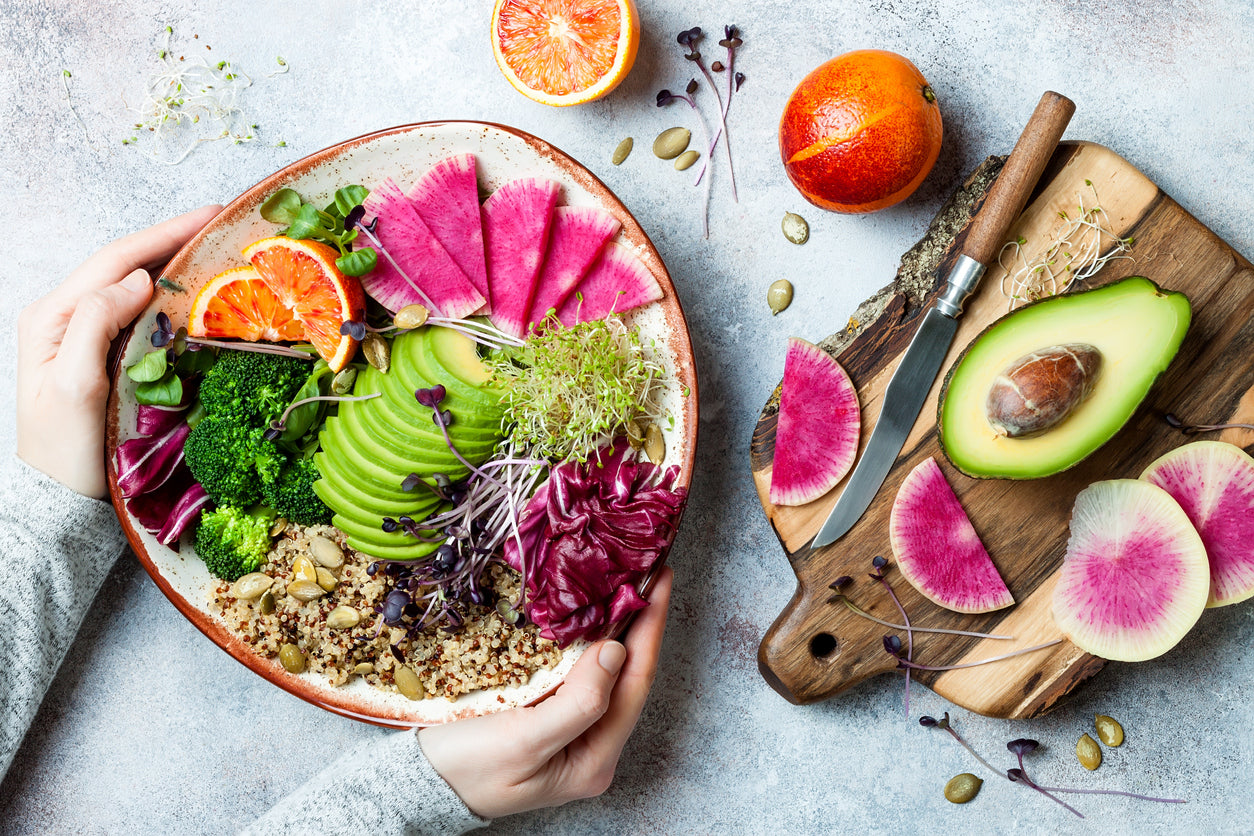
(410, 423)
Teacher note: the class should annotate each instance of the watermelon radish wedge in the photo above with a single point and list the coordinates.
(447, 200)
(578, 235)
(1214, 483)
(516, 221)
(816, 434)
(617, 282)
(1135, 578)
(414, 267)
(937, 548)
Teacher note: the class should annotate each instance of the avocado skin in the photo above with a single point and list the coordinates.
(1138, 284)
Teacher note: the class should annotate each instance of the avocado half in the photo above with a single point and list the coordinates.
(1137, 327)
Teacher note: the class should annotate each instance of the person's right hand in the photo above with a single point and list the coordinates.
(567, 746)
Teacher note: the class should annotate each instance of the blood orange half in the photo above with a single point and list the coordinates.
(304, 277)
(239, 304)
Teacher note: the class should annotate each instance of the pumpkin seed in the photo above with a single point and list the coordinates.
(962, 788)
(795, 228)
(779, 296)
(363, 668)
(266, 604)
(326, 580)
(671, 142)
(305, 590)
(303, 569)
(1089, 753)
(1108, 730)
(622, 151)
(251, 586)
(411, 316)
(278, 527)
(378, 352)
(343, 618)
(654, 444)
(292, 660)
(343, 381)
(685, 160)
(635, 434)
(326, 552)
(407, 683)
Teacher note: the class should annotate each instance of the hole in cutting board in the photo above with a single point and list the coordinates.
(823, 646)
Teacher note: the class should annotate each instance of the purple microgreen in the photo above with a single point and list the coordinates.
(278, 425)
(880, 564)
(944, 723)
(352, 328)
(1025, 746)
(740, 79)
(913, 666)
(856, 610)
(840, 583)
(430, 397)
(1022, 746)
(730, 42)
(892, 644)
(369, 229)
(1019, 776)
(354, 217)
(164, 332)
(664, 98)
(717, 66)
(1135, 795)
(1175, 422)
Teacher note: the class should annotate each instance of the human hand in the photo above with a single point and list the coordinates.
(63, 340)
(565, 747)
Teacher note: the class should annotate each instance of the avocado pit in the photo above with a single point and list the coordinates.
(1040, 389)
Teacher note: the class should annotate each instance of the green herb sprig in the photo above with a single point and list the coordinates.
(306, 221)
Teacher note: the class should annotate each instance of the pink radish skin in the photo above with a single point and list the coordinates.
(577, 237)
(447, 200)
(937, 548)
(424, 261)
(816, 434)
(617, 283)
(516, 221)
(1135, 578)
(1214, 483)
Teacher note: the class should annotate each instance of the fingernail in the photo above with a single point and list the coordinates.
(611, 657)
(137, 280)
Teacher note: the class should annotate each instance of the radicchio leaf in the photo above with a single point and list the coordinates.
(589, 536)
(185, 512)
(144, 464)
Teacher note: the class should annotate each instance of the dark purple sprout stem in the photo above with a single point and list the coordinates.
(282, 420)
(1195, 429)
(943, 723)
(369, 230)
(1023, 770)
(906, 663)
(1018, 776)
(880, 563)
(730, 43)
(664, 98)
(690, 39)
(856, 610)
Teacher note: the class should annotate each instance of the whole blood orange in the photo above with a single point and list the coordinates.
(860, 132)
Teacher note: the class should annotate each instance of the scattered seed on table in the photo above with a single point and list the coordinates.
(779, 296)
(671, 142)
(685, 160)
(622, 151)
(795, 228)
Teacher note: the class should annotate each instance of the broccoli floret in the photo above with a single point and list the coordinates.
(287, 487)
(222, 455)
(251, 387)
(232, 541)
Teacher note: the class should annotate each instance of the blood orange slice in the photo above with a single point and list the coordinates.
(239, 304)
(304, 277)
(564, 52)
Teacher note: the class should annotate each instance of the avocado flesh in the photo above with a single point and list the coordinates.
(1135, 325)
(469, 416)
(429, 356)
(401, 414)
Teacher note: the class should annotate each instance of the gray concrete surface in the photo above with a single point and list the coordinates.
(149, 728)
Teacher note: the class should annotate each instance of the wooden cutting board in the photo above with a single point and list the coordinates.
(817, 648)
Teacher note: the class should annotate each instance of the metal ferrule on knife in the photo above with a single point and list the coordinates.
(961, 283)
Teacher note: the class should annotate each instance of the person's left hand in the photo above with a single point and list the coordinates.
(63, 340)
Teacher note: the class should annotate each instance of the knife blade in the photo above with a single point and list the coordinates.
(909, 386)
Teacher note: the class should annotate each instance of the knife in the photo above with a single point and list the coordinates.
(911, 382)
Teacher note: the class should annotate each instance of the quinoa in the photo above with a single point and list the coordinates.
(488, 652)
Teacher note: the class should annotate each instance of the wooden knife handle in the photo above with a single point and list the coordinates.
(987, 233)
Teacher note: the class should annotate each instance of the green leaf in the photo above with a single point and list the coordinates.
(168, 391)
(191, 362)
(282, 207)
(350, 197)
(150, 368)
(358, 262)
(307, 417)
(307, 224)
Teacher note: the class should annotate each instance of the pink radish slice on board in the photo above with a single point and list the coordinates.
(816, 433)
(1214, 483)
(577, 236)
(516, 221)
(1135, 578)
(937, 548)
(447, 200)
(416, 269)
(617, 283)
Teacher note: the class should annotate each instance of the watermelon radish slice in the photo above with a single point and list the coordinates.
(447, 200)
(617, 282)
(578, 235)
(1214, 484)
(416, 268)
(816, 434)
(937, 548)
(1135, 577)
(516, 220)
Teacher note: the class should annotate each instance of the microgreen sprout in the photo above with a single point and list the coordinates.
(475, 329)
(943, 723)
(283, 67)
(665, 97)
(879, 564)
(1074, 254)
(165, 334)
(910, 665)
(1193, 429)
(689, 39)
(69, 100)
(841, 598)
(278, 425)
